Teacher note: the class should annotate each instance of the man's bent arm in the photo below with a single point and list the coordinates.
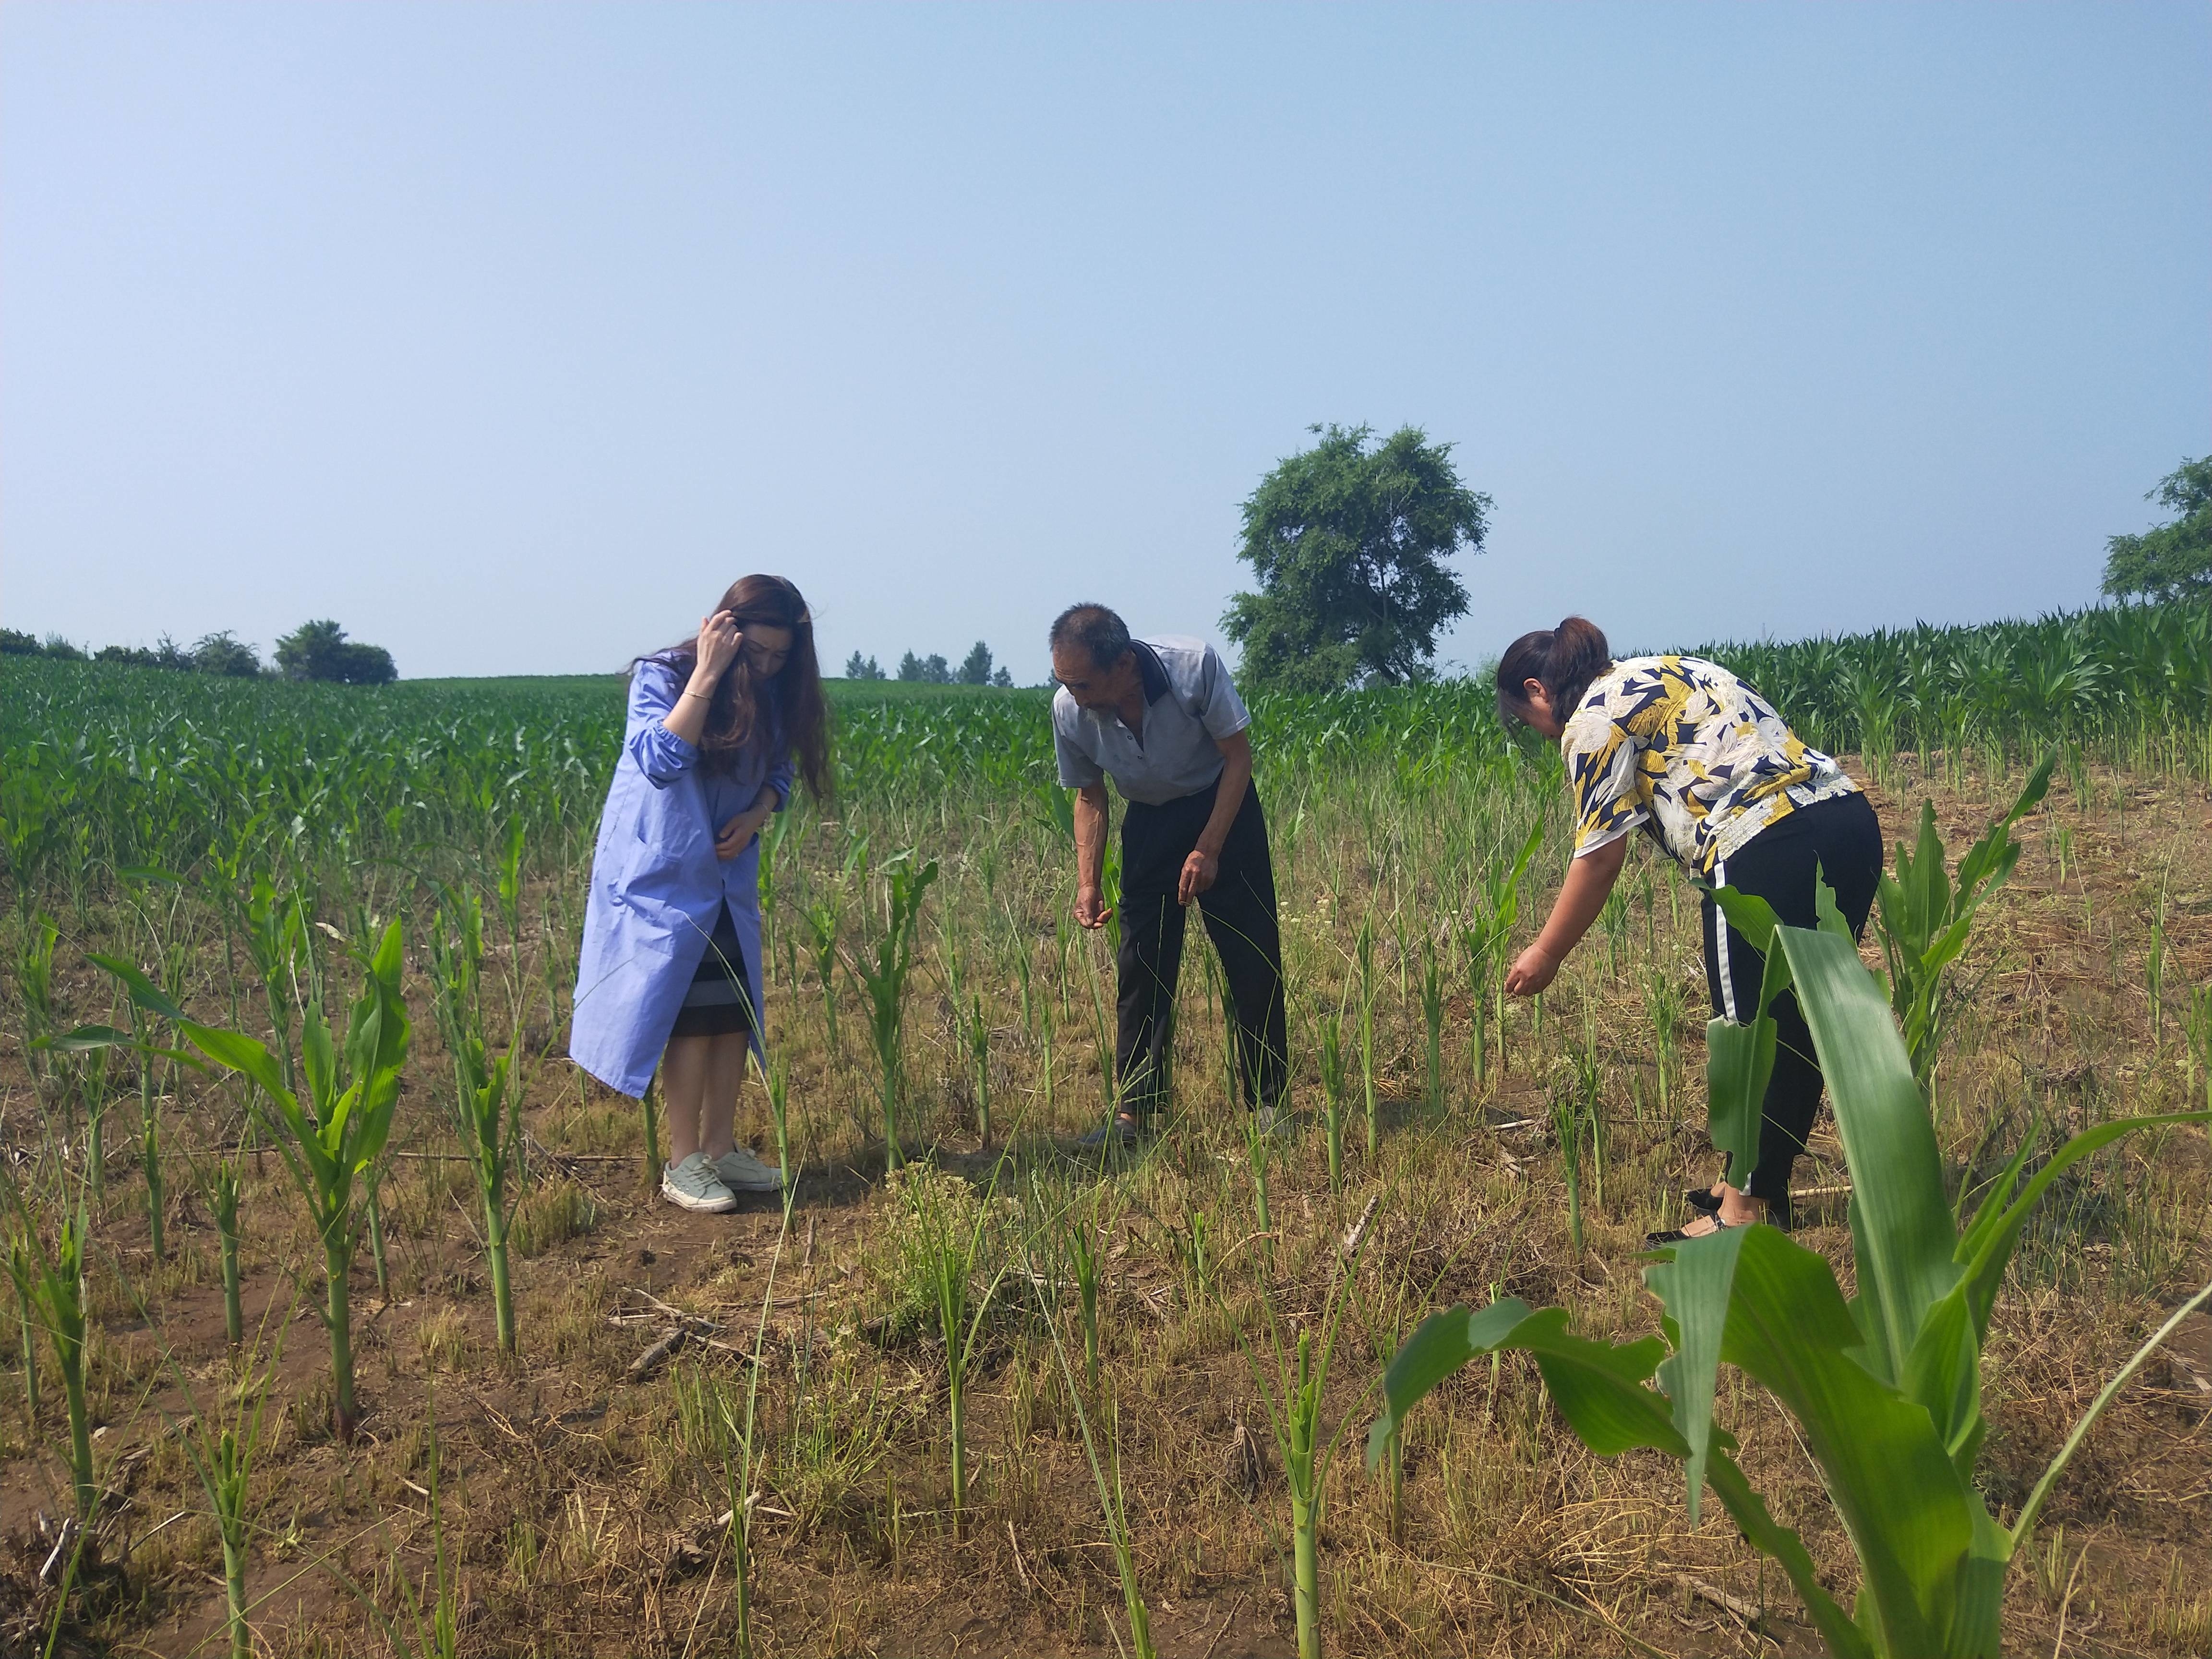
(1235, 776)
(1090, 824)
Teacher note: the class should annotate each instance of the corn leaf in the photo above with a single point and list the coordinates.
(1902, 1235)
(1599, 1389)
(1696, 1282)
(143, 992)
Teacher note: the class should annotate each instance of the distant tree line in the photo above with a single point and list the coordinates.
(313, 651)
(975, 669)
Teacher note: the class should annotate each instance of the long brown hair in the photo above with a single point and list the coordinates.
(788, 707)
(1564, 660)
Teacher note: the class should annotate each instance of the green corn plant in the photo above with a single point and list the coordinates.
(1884, 1387)
(1497, 909)
(58, 1300)
(221, 1439)
(148, 1000)
(952, 1250)
(2154, 978)
(1926, 917)
(23, 1273)
(276, 934)
(1332, 1094)
(1432, 1022)
(93, 1083)
(883, 976)
(1663, 1003)
(487, 1110)
(775, 1083)
(822, 919)
(727, 1437)
(34, 981)
(1106, 1477)
(333, 1142)
(978, 1033)
(1364, 956)
(223, 1190)
(2200, 1039)
(649, 1119)
(1292, 1390)
(1082, 1265)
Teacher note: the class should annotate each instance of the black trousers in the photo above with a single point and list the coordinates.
(1843, 838)
(1240, 917)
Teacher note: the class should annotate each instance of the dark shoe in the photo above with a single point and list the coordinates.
(1677, 1235)
(1120, 1130)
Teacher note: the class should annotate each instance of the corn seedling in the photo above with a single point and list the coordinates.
(1498, 907)
(1886, 1387)
(1083, 1267)
(822, 919)
(333, 1145)
(487, 1112)
(775, 1083)
(1293, 1392)
(978, 1033)
(1106, 1476)
(1925, 918)
(726, 1433)
(23, 1273)
(57, 1298)
(1333, 1086)
(1364, 956)
(221, 1438)
(951, 1250)
(35, 982)
(884, 975)
(1432, 1024)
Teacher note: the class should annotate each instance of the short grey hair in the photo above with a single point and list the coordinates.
(1098, 630)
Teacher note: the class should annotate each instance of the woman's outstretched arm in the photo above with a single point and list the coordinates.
(1582, 896)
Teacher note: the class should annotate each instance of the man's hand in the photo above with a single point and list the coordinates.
(1199, 872)
(1532, 970)
(1091, 909)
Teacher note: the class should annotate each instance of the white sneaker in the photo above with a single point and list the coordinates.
(741, 1172)
(694, 1184)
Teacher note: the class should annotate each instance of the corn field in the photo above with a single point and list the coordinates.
(346, 1322)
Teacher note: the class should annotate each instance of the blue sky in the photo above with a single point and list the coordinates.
(508, 335)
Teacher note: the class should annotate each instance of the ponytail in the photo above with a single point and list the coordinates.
(1564, 660)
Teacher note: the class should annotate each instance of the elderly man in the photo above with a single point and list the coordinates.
(1161, 718)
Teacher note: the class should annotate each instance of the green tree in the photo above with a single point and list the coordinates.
(320, 651)
(2174, 560)
(975, 666)
(910, 668)
(1348, 540)
(858, 667)
(219, 654)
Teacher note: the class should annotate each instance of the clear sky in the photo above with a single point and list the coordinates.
(508, 335)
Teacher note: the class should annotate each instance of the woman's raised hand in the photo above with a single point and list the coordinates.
(720, 639)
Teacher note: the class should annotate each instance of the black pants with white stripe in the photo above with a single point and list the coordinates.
(1240, 917)
(1843, 839)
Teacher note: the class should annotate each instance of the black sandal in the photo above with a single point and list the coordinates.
(1676, 1236)
(1704, 1199)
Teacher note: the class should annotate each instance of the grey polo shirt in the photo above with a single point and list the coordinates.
(1189, 707)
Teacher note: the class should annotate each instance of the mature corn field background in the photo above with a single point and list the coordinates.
(238, 842)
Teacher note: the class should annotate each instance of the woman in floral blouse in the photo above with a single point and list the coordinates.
(1681, 749)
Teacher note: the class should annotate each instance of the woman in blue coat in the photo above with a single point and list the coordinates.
(671, 971)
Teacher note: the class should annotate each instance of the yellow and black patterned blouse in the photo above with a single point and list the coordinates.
(1682, 746)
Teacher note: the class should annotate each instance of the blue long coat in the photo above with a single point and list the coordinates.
(657, 887)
